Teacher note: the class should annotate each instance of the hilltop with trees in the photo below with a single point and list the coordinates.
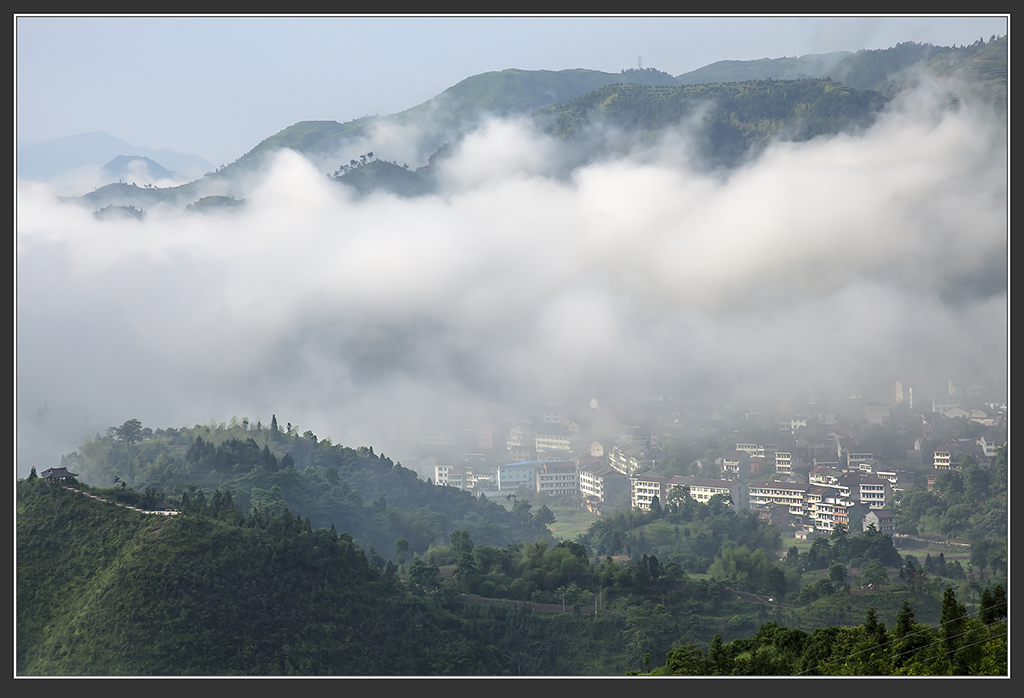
(371, 497)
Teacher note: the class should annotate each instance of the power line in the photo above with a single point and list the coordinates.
(926, 629)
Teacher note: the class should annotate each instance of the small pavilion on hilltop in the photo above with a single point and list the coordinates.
(59, 474)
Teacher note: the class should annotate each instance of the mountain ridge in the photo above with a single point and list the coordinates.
(456, 111)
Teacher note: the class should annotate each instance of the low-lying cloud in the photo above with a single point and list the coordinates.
(819, 267)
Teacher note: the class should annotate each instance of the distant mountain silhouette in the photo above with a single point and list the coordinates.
(44, 161)
(132, 167)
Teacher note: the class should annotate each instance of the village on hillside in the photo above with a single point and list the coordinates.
(809, 471)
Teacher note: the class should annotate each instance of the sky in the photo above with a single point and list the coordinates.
(833, 266)
(216, 87)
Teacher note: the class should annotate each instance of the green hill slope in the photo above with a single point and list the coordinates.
(730, 120)
(365, 494)
(103, 590)
(458, 108)
(815, 65)
(512, 91)
(983, 65)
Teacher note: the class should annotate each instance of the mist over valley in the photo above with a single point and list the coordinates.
(533, 269)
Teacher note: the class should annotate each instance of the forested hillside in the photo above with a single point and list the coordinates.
(733, 108)
(365, 494)
(103, 590)
(730, 121)
(815, 65)
(962, 644)
(969, 504)
(450, 114)
(215, 590)
(983, 63)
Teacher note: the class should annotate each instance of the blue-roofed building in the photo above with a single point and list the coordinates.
(512, 476)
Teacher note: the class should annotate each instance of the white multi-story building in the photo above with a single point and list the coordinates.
(463, 477)
(629, 459)
(736, 463)
(644, 488)
(891, 476)
(753, 450)
(450, 476)
(825, 509)
(812, 498)
(855, 458)
(875, 492)
(551, 442)
(824, 475)
(868, 466)
(703, 489)
(557, 477)
(595, 478)
(788, 493)
(602, 487)
(783, 462)
(829, 512)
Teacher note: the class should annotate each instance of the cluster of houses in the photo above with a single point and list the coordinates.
(550, 455)
(813, 503)
(827, 497)
(811, 480)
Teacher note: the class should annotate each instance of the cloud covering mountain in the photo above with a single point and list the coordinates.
(824, 267)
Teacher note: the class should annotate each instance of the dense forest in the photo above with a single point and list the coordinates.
(105, 590)
(891, 70)
(733, 120)
(962, 644)
(365, 494)
(244, 580)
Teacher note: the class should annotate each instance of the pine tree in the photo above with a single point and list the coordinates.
(985, 607)
(954, 621)
(992, 606)
(719, 661)
(874, 627)
(905, 620)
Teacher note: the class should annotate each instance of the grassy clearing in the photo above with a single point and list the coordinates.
(570, 522)
(789, 539)
(920, 550)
